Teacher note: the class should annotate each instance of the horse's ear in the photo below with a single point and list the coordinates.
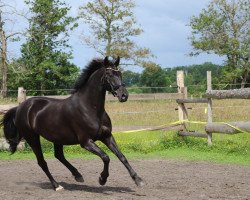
(117, 62)
(106, 61)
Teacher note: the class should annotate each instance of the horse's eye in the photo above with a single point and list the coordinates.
(116, 87)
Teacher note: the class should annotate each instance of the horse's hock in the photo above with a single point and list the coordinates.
(4, 145)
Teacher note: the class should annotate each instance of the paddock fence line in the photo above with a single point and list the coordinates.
(180, 94)
(181, 97)
(213, 127)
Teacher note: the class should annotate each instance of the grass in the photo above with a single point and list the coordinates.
(4, 101)
(161, 144)
(185, 154)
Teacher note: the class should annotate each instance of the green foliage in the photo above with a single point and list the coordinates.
(195, 77)
(164, 80)
(135, 89)
(113, 25)
(44, 62)
(153, 77)
(55, 77)
(223, 29)
(130, 78)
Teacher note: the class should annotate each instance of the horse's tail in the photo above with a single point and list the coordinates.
(10, 130)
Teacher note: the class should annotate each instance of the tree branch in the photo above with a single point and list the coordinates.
(13, 34)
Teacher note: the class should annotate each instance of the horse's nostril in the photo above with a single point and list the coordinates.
(124, 96)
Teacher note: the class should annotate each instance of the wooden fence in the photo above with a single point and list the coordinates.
(214, 127)
(180, 94)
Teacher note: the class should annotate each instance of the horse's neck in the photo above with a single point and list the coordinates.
(93, 93)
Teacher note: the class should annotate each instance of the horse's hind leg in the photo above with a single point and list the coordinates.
(60, 156)
(92, 147)
(35, 144)
(111, 144)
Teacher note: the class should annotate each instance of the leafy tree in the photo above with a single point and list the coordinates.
(130, 78)
(223, 29)
(195, 77)
(153, 77)
(112, 26)
(44, 59)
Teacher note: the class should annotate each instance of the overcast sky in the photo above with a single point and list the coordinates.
(166, 32)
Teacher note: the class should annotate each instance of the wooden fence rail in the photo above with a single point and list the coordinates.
(228, 128)
(213, 127)
(134, 97)
(229, 94)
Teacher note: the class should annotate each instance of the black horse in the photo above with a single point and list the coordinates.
(79, 119)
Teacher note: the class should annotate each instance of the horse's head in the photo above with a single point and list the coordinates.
(112, 79)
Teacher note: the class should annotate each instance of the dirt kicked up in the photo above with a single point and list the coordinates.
(165, 179)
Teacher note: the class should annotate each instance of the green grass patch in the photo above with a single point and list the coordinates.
(158, 144)
(8, 100)
(162, 144)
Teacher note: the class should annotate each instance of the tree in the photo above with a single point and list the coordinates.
(3, 40)
(112, 26)
(153, 77)
(130, 78)
(46, 53)
(5, 9)
(223, 29)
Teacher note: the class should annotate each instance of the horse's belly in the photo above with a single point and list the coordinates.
(60, 138)
(55, 129)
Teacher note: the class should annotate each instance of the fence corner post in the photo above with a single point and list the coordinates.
(209, 107)
(182, 112)
(21, 97)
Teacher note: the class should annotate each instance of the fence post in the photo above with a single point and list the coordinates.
(180, 83)
(21, 95)
(209, 106)
(182, 111)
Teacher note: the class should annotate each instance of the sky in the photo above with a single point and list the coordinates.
(166, 32)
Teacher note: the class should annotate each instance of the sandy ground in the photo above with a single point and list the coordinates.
(165, 179)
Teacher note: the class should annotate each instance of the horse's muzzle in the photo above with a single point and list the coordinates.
(121, 93)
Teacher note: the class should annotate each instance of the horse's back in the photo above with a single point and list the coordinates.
(28, 108)
(33, 106)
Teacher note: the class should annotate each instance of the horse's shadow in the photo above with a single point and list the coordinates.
(87, 188)
(95, 189)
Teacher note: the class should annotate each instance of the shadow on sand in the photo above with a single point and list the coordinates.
(86, 188)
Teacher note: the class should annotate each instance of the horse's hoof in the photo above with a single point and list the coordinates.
(79, 179)
(102, 181)
(59, 188)
(139, 182)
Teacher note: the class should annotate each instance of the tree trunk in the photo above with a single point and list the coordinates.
(3, 59)
(244, 79)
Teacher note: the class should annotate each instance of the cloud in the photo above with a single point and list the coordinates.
(165, 31)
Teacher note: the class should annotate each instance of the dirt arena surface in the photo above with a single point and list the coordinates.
(165, 179)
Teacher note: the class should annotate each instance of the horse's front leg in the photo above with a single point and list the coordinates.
(93, 148)
(111, 144)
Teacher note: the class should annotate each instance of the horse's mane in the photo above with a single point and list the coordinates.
(93, 65)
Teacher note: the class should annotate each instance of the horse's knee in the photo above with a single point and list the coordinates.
(106, 159)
